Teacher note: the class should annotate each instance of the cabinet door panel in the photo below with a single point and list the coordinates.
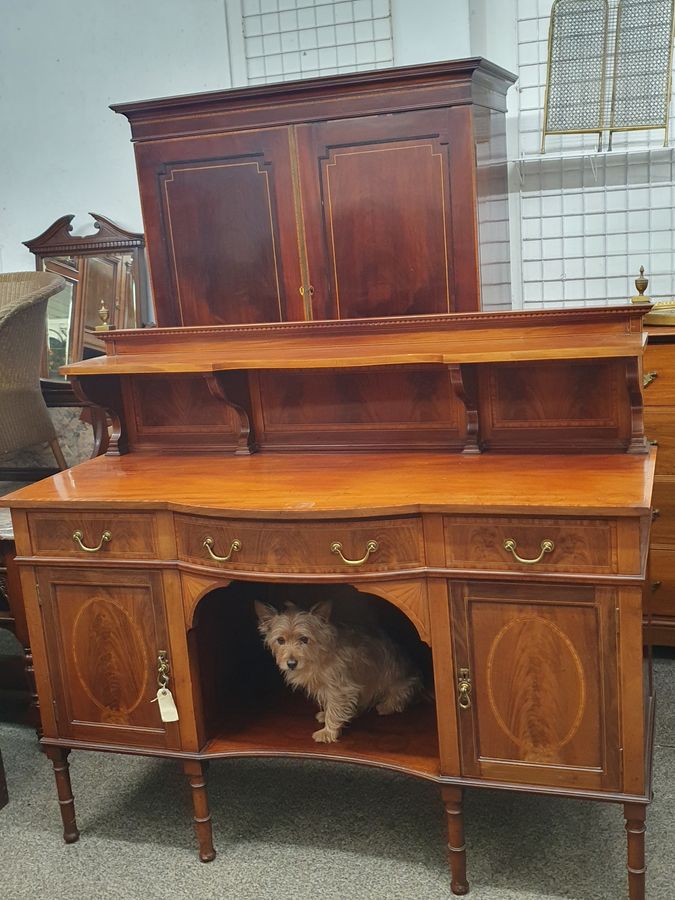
(104, 630)
(542, 661)
(222, 237)
(377, 193)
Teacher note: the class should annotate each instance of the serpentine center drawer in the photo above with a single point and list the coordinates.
(554, 545)
(332, 547)
(97, 535)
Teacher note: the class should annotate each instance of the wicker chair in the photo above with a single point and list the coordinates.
(24, 419)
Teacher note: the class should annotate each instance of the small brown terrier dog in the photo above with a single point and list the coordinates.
(345, 671)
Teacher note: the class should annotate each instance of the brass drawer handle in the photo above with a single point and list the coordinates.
(648, 377)
(106, 537)
(464, 689)
(546, 547)
(208, 543)
(371, 547)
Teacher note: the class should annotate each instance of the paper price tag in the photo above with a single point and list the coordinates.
(167, 706)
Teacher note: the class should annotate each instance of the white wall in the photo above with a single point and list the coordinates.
(430, 30)
(61, 149)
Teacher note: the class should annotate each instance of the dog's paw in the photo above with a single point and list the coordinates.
(325, 736)
(388, 708)
(320, 716)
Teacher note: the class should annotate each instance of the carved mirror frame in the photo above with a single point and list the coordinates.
(111, 262)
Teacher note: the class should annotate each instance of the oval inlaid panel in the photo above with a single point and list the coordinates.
(110, 658)
(536, 687)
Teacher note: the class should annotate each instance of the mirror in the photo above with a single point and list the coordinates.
(106, 285)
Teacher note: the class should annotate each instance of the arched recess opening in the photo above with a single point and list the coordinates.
(248, 709)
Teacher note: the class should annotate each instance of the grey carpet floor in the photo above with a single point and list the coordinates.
(314, 831)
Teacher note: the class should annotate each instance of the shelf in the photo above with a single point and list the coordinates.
(587, 333)
(406, 742)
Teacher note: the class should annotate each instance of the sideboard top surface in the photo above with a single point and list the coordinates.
(324, 485)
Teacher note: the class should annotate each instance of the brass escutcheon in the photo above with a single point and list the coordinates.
(464, 689)
(546, 547)
(371, 547)
(162, 668)
(208, 543)
(106, 537)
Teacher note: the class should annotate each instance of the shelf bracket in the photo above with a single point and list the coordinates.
(233, 390)
(464, 385)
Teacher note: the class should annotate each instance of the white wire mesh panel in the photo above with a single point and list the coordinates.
(589, 220)
(290, 39)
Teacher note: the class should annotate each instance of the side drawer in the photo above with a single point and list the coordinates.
(132, 535)
(266, 546)
(663, 503)
(578, 545)
(659, 362)
(660, 427)
(662, 576)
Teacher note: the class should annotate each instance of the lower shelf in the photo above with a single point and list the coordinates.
(406, 742)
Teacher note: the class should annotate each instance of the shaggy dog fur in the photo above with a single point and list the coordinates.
(345, 671)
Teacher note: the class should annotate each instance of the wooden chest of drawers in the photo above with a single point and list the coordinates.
(659, 398)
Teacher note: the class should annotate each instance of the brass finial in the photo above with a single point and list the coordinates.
(103, 315)
(641, 283)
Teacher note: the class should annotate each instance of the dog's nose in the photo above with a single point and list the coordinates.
(292, 663)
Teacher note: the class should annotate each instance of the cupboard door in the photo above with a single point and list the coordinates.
(377, 192)
(541, 661)
(104, 630)
(220, 219)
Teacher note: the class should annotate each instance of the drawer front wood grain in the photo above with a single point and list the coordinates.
(300, 547)
(132, 535)
(587, 545)
(659, 362)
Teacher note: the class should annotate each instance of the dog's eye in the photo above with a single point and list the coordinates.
(281, 640)
(304, 639)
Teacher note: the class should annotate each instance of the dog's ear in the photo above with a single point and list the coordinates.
(322, 609)
(265, 614)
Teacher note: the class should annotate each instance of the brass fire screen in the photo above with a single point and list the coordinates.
(591, 39)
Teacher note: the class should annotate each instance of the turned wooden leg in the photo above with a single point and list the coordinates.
(635, 814)
(196, 773)
(452, 798)
(59, 758)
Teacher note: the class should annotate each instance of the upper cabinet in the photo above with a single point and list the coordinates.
(364, 195)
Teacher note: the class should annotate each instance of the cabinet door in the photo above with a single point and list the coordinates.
(543, 701)
(104, 630)
(221, 227)
(378, 195)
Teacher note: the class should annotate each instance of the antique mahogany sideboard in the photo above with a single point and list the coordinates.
(659, 393)
(480, 482)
